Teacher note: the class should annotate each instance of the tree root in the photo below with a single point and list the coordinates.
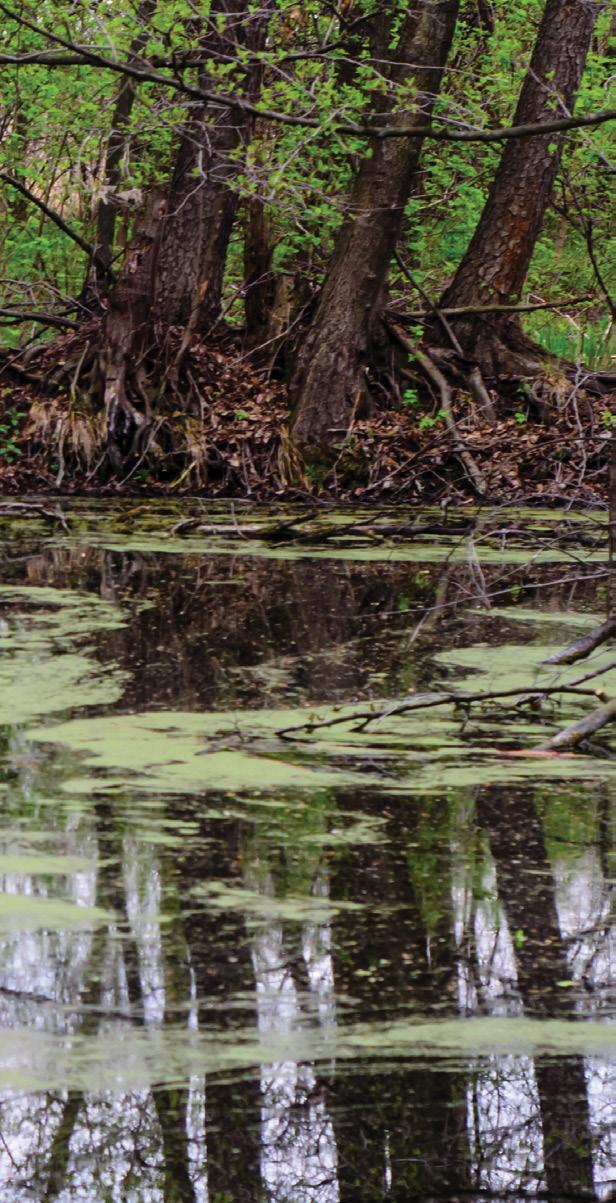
(436, 376)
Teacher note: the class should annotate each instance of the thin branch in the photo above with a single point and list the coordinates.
(428, 701)
(531, 130)
(462, 310)
(436, 376)
(44, 319)
(225, 100)
(59, 221)
(440, 314)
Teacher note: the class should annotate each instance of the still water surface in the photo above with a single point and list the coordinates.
(357, 965)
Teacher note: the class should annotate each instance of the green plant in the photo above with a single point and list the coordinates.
(9, 429)
(426, 423)
(409, 397)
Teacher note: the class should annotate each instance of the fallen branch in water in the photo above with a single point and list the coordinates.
(428, 701)
(587, 644)
(24, 509)
(576, 733)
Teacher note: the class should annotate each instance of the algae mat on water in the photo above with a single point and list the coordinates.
(131, 1058)
(162, 752)
(45, 663)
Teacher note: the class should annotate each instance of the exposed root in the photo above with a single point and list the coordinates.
(220, 425)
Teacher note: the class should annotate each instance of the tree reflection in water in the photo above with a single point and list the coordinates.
(490, 902)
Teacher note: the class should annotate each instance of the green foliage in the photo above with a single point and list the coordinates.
(56, 122)
(9, 430)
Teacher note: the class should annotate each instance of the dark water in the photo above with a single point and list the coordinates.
(357, 965)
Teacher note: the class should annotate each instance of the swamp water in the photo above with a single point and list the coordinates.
(345, 964)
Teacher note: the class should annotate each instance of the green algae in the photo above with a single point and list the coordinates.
(258, 908)
(123, 1059)
(30, 864)
(31, 688)
(230, 766)
(44, 666)
(160, 751)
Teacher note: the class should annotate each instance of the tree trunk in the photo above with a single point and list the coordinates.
(328, 383)
(201, 205)
(259, 282)
(174, 270)
(126, 337)
(496, 263)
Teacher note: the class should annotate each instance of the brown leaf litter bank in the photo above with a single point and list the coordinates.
(549, 443)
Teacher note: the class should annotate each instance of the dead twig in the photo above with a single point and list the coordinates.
(428, 701)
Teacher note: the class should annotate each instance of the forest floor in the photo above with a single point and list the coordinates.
(549, 446)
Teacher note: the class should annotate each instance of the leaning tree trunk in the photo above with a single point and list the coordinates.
(328, 383)
(496, 263)
(127, 338)
(202, 203)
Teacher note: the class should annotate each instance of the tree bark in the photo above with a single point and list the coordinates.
(496, 263)
(328, 383)
(202, 204)
(126, 337)
(174, 270)
(259, 280)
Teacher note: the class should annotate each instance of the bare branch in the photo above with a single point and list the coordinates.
(428, 701)
(460, 311)
(44, 319)
(576, 733)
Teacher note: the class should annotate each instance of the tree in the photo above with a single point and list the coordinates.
(202, 201)
(328, 384)
(174, 272)
(240, 171)
(495, 266)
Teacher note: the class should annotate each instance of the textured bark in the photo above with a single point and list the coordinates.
(126, 336)
(327, 387)
(202, 205)
(496, 263)
(259, 282)
(174, 270)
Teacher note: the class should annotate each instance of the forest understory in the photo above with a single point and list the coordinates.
(343, 250)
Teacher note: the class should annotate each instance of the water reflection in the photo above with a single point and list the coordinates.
(209, 995)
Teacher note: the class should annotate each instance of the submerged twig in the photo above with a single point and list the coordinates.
(24, 509)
